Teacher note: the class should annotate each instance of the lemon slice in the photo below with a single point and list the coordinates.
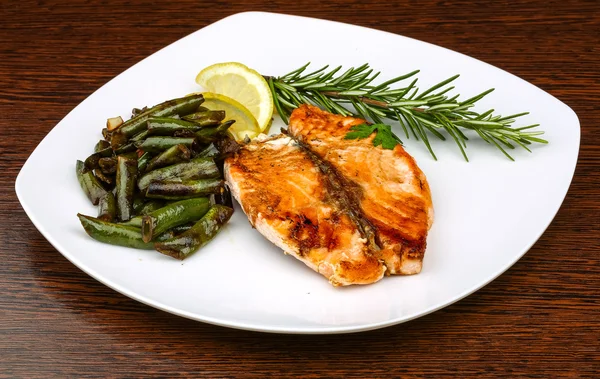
(245, 123)
(242, 84)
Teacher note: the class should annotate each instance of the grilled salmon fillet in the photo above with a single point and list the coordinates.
(293, 204)
(389, 190)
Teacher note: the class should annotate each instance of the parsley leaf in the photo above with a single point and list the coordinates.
(384, 137)
(360, 131)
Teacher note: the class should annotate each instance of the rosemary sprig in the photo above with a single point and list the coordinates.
(432, 112)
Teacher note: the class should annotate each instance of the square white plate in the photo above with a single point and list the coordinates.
(489, 212)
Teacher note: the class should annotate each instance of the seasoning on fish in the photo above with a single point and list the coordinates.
(288, 200)
(390, 190)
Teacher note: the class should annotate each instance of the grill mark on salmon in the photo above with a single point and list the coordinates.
(347, 196)
(394, 195)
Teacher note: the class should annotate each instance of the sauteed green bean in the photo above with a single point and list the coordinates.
(155, 176)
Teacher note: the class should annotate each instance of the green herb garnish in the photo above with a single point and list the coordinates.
(384, 136)
(423, 113)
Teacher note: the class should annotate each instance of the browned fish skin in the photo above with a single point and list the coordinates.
(392, 191)
(289, 200)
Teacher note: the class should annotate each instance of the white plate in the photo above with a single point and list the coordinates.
(489, 212)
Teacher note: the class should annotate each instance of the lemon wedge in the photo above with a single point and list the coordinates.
(245, 123)
(242, 84)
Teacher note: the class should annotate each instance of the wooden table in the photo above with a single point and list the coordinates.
(539, 319)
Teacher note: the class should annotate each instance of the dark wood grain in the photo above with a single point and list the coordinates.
(539, 319)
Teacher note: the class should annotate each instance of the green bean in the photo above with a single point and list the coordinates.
(106, 134)
(134, 221)
(184, 134)
(117, 140)
(208, 151)
(208, 135)
(114, 234)
(149, 207)
(163, 126)
(174, 214)
(165, 236)
(197, 168)
(142, 210)
(138, 202)
(175, 154)
(184, 190)
(89, 183)
(181, 107)
(182, 228)
(140, 136)
(107, 207)
(103, 178)
(91, 162)
(101, 145)
(223, 197)
(126, 178)
(129, 155)
(159, 144)
(198, 235)
(108, 165)
(137, 111)
(126, 148)
(206, 118)
(143, 161)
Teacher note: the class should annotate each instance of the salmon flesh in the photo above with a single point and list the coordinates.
(347, 209)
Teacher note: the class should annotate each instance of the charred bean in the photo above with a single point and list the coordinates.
(174, 214)
(181, 107)
(126, 179)
(101, 145)
(114, 234)
(107, 207)
(197, 168)
(163, 126)
(185, 189)
(206, 118)
(108, 165)
(175, 154)
(89, 183)
(198, 235)
(160, 144)
(143, 161)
